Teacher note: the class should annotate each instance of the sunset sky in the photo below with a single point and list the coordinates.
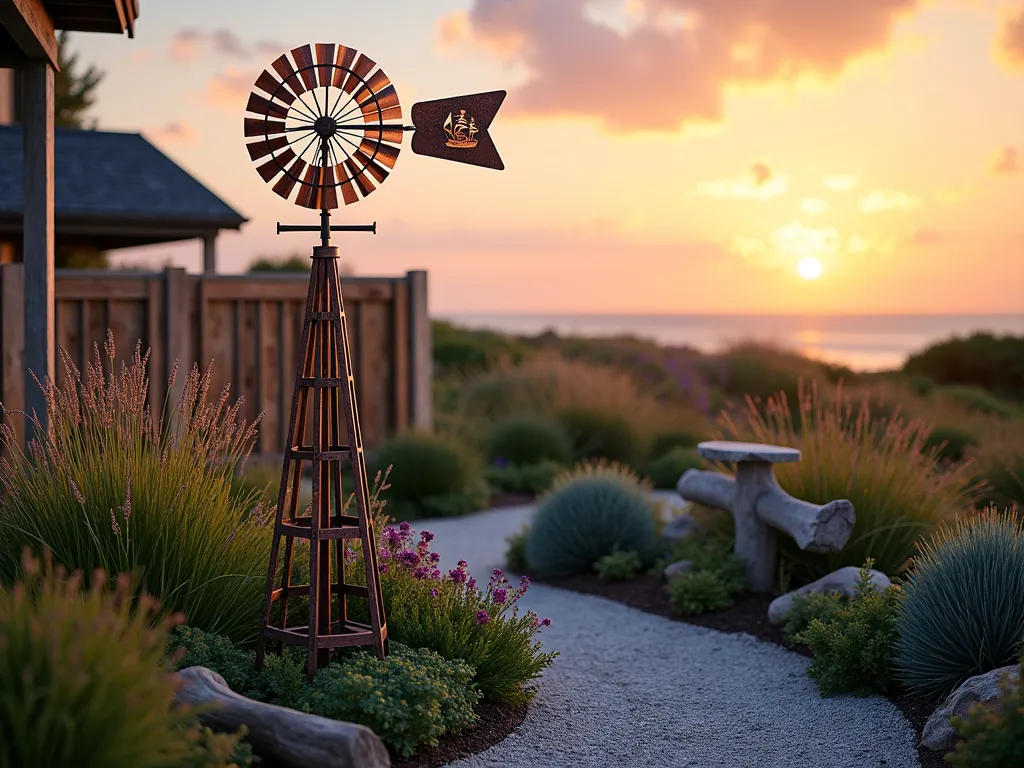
(676, 156)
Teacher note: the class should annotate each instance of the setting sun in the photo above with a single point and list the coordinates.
(809, 268)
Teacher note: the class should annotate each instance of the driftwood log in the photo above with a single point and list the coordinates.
(760, 507)
(286, 737)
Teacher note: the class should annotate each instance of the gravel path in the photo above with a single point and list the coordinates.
(634, 689)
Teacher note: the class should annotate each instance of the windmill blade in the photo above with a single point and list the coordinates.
(273, 87)
(254, 126)
(364, 66)
(303, 56)
(325, 62)
(342, 65)
(275, 165)
(468, 139)
(286, 183)
(284, 68)
(359, 177)
(385, 153)
(262, 107)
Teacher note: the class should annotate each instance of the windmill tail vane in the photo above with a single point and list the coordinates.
(324, 127)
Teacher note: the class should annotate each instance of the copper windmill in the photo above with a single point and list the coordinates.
(325, 119)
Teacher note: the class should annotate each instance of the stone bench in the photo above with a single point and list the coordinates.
(760, 506)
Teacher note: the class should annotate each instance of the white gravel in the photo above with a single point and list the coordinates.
(634, 689)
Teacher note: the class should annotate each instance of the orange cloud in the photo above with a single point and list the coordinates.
(884, 200)
(1011, 39)
(174, 131)
(185, 45)
(1006, 161)
(227, 89)
(760, 183)
(671, 64)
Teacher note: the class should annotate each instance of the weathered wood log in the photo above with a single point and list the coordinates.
(289, 738)
(760, 507)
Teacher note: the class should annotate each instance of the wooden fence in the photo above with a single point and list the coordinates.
(248, 326)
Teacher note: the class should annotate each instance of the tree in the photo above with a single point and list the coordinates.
(297, 262)
(74, 92)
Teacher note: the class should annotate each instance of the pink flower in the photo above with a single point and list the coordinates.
(499, 596)
(463, 564)
(457, 575)
(471, 584)
(482, 617)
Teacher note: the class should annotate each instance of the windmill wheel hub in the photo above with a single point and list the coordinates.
(325, 127)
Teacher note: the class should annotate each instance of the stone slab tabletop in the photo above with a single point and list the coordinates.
(721, 450)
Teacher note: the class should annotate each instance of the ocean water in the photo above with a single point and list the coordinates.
(861, 342)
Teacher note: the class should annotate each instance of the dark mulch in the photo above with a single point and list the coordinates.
(749, 614)
(494, 724)
(506, 499)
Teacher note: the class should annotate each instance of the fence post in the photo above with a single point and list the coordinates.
(12, 343)
(177, 330)
(421, 358)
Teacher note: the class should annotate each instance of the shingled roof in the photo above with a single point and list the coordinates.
(111, 179)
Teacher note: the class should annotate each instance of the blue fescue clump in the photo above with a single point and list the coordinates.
(963, 612)
(591, 512)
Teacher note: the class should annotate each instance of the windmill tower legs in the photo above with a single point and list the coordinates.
(323, 433)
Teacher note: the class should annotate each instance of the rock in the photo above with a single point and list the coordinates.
(286, 737)
(673, 570)
(843, 581)
(938, 735)
(681, 527)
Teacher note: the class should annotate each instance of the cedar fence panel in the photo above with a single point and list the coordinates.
(246, 326)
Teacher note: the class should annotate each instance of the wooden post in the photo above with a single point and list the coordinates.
(210, 254)
(177, 332)
(37, 109)
(421, 355)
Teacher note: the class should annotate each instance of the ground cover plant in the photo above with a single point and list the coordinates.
(715, 577)
(118, 488)
(82, 680)
(852, 643)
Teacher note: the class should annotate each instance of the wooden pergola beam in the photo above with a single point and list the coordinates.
(31, 28)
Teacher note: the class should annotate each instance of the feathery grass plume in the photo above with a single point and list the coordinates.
(899, 487)
(113, 487)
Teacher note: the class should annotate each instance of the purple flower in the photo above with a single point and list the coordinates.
(434, 557)
(457, 575)
(524, 583)
(499, 596)
(408, 558)
(471, 584)
(463, 564)
(426, 537)
(500, 462)
(404, 526)
(421, 573)
(545, 622)
(482, 617)
(383, 567)
(497, 573)
(433, 592)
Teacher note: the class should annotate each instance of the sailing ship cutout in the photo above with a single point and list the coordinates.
(462, 133)
(458, 129)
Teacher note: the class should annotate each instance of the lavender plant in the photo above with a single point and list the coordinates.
(115, 487)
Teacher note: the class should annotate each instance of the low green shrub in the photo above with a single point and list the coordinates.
(807, 608)
(515, 555)
(993, 734)
(462, 350)
(698, 592)
(432, 477)
(591, 512)
(618, 566)
(709, 553)
(409, 699)
(528, 440)
(978, 400)
(999, 463)
(207, 749)
(81, 681)
(598, 434)
(963, 614)
(116, 488)
(853, 646)
(950, 443)
(666, 470)
(899, 488)
(983, 359)
(663, 442)
(531, 479)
